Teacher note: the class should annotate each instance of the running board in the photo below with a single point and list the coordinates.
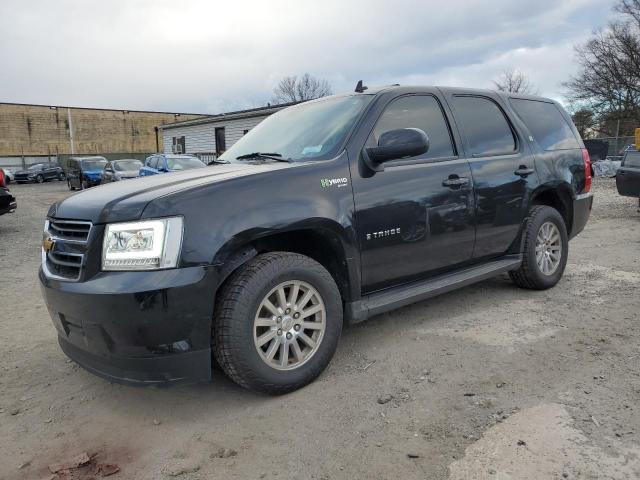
(396, 297)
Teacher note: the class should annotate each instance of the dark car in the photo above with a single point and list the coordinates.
(40, 173)
(7, 201)
(165, 163)
(124, 169)
(628, 175)
(330, 211)
(84, 172)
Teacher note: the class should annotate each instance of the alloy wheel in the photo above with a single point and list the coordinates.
(289, 325)
(548, 248)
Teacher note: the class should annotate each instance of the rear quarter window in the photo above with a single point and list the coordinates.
(548, 126)
(631, 159)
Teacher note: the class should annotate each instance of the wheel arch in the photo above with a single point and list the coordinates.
(322, 240)
(558, 197)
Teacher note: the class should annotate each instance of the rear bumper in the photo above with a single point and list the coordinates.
(581, 211)
(137, 328)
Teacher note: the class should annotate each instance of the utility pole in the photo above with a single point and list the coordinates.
(70, 130)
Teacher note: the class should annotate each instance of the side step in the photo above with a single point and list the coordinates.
(396, 297)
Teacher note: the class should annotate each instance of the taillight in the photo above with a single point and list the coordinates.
(3, 182)
(587, 170)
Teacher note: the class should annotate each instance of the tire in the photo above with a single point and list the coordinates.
(530, 275)
(39, 179)
(61, 177)
(69, 185)
(240, 301)
(83, 185)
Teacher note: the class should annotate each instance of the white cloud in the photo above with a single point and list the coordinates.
(198, 55)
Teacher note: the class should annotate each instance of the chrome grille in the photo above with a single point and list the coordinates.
(64, 248)
(72, 230)
(64, 265)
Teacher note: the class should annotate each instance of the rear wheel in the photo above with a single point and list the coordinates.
(69, 185)
(61, 176)
(39, 178)
(277, 322)
(546, 247)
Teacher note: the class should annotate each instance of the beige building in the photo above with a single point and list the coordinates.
(55, 131)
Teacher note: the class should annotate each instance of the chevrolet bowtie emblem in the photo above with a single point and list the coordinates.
(47, 244)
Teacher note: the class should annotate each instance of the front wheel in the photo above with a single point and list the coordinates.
(546, 248)
(277, 322)
(40, 179)
(69, 185)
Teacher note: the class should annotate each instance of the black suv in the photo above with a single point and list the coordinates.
(332, 210)
(40, 173)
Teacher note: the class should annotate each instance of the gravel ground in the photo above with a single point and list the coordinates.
(487, 382)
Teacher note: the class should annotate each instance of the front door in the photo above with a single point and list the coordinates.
(416, 216)
(502, 168)
(221, 141)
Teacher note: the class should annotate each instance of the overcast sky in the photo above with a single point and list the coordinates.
(212, 56)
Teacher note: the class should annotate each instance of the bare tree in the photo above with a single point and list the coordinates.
(514, 81)
(608, 81)
(294, 89)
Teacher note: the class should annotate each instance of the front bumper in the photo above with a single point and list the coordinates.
(137, 328)
(581, 211)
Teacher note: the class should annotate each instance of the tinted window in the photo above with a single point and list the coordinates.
(631, 159)
(127, 165)
(417, 111)
(547, 125)
(485, 126)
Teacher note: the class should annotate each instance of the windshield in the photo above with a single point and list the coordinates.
(309, 131)
(183, 163)
(36, 167)
(126, 165)
(93, 164)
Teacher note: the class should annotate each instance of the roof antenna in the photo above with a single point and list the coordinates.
(360, 88)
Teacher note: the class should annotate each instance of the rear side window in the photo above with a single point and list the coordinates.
(417, 111)
(486, 128)
(153, 162)
(631, 159)
(547, 125)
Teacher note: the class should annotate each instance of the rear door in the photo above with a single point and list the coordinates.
(415, 217)
(502, 169)
(628, 175)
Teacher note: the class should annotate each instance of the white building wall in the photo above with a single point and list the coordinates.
(202, 138)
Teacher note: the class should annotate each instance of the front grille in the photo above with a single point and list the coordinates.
(73, 230)
(65, 265)
(63, 255)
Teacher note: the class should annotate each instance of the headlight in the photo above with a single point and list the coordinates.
(144, 245)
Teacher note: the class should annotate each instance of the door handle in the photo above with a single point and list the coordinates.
(455, 181)
(524, 171)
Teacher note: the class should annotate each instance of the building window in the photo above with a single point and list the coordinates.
(179, 145)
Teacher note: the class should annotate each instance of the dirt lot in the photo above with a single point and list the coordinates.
(486, 382)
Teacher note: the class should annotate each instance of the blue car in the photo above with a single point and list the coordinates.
(84, 172)
(164, 163)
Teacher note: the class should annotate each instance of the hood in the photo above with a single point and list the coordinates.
(123, 201)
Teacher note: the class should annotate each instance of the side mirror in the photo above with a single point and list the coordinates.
(397, 144)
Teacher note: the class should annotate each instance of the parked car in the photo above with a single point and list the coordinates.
(9, 176)
(124, 169)
(7, 201)
(628, 175)
(40, 173)
(330, 211)
(84, 172)
(164, 163)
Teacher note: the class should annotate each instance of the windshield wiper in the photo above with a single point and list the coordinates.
(270, 156)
